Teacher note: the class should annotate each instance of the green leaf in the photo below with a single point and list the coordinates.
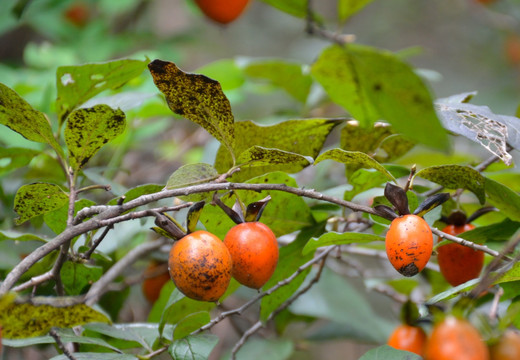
(502, 231)
(503, 198)
(362, 180)
(455, 177)
(334, 298)
(197, 98)
(77, 84)
(77, 276)
(386, 352)
(403, 285)
(57, 220)
(19, 116)
(286, 75)
(512, 274)
(452, 292)
(14, 158)
(347, 8)
(284, 214)
(373, 84)
(191, 174)
(37, 199)
(304, 137)
(193, 347)
(144, 334)
(296, 8)
(334, 238)
(89, 129)
(260, 156)
(11, 235)
(354, 158)
(191, 323)
(290, 259)
(380, 141)
(261, 349)
(27, 320)
(134, 193)
(226, 71)
(96, 356)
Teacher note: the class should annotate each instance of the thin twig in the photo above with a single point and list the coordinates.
(61, 345)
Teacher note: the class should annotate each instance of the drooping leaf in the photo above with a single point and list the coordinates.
(347, 8)
(455, 177)
(480, 124)
(334, 238)
(503, 198)
(373, 84)
(304, 137)
(386, 352)
(88, 129)
(260, 156)
(27, 320)
(290, 259)
(19, 116)
(77, 84)
(354, 157)
(37, 199)
(197, 98)
(191, 174)
(15, 158)
(77, 276)
(193, 347)
(289, 76)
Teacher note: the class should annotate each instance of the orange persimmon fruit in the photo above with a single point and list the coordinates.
(409, 338)
(254, 250)
(222, 11)
(156, 275)
(200, 266)
(409, 244)
(508, 346)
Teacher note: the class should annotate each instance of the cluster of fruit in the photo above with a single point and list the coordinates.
(201, 265)
(454, 338)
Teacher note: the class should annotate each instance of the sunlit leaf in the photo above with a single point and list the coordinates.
(197, 98)
(373, 84)
(347, 8)
(334, 238)
(226, 71)
(354, 158)
(362, 180)
(27, 320)
(512, 274)
(37, 199)
(77, 84)
(19, 116)
(88, 129)
(304, 137)
(503, 198)
(286, 75)
(455, 177)
(193, 347)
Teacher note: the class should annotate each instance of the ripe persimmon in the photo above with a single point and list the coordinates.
(409, 244)
(200, 266)
(222, 11)
(254, 250)
(454, 338)
(508, 346)
(156, 275)
(459, 263)
(409, 338)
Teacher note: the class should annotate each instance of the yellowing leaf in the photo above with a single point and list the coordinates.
(197, 98)
(89, 129)
(26, 320)
(36, 199)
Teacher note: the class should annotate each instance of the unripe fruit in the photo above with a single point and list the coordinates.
(409, 244)
(200, 266)
(459, 263)
(455, 339)
(222, 11)
(408, 338)
(254, 250)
